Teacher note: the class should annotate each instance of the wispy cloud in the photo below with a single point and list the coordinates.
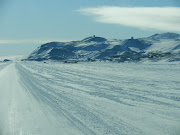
(159, 18)
(14, 41)
(29, 41)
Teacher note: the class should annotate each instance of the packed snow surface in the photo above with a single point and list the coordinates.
(89, 98)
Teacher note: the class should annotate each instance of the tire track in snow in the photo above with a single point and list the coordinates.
(67, 107)
(23, 115)
(70, 81)
(86, 81)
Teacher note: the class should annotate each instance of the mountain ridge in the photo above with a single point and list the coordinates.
(99, 48)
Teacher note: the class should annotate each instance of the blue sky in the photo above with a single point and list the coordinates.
(26, 24)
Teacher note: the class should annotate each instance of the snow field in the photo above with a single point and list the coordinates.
(90, 98)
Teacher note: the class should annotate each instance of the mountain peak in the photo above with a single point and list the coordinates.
(94, 38)
(167, 35)
(53, 44)
(140, 44)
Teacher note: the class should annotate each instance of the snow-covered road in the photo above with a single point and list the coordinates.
(89, 98)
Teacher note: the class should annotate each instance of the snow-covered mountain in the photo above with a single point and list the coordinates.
(156, 47)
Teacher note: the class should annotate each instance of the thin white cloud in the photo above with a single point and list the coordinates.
(13, 41)
(159, 18)
(25, 41)
(11, 57)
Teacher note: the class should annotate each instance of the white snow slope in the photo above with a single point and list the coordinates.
(89, 98)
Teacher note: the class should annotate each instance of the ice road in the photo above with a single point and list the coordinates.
(89, 98)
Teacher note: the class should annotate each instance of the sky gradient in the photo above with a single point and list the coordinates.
(26, 24)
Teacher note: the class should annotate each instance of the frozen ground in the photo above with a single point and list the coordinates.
(89, 98)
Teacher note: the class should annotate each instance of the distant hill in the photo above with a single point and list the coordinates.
(165, 46)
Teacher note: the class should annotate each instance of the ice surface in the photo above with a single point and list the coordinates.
(89, 98)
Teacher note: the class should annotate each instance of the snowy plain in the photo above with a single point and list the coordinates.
(100, 98)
